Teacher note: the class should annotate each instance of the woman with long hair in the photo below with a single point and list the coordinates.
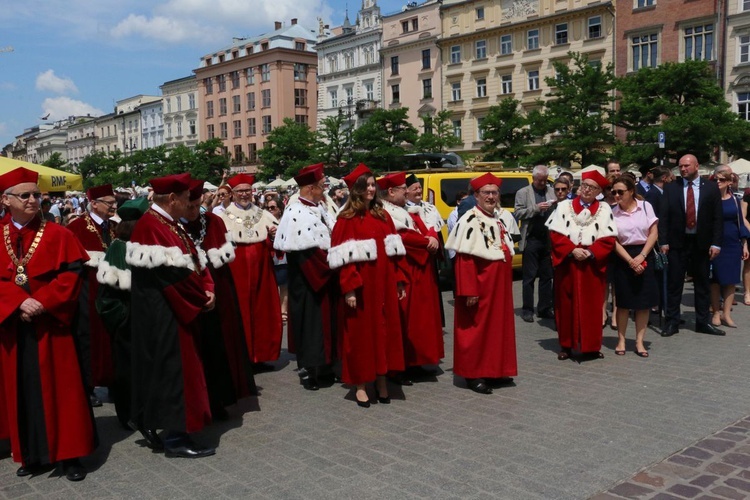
(364, 248)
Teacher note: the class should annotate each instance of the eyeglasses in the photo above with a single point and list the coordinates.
(489, 193)
(589, 187)
(561, 189)
(272, 207)
(25, 196)
(110, 204)
(243, 191)
(719, 179)
(222, 195)
(619, 192)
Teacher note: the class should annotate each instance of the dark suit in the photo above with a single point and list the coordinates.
(654, 197)
(689, 249)
(639, 189)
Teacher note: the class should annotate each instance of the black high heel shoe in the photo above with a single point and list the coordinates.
(361, 404)
(383, 400)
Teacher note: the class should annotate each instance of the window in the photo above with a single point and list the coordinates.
(561, 33)
(300, 97)
(299, 45)
(457, 128)
(250, 101)
(191, 126)
(645, 3)
(238, 152)
(250, 76)
(595, 27)
(644, 51)
(169, 130)
(480, 129)
(414, 24)
(404, 26)
(427, 88)
(265, 72)
(479, 11)
(169, 104)
(179, 129)
(223, 131)
(396, 93)
(699, 42)
(426, 59)
(744, 49)
(236, 106)
(211, 134)
(209, 109)
(349, 93)
(482, 87)
(333, 64)
(743, 105)
(265, 98)
(333, 94)
(222, 106)
(506, 84)
(744, 5)
(369, 93)
(532, 39)
(191, 101)
(456, 91)
(300, 72)
(222, 79)
(348, 60)
(455, 54)
(533, 78)
(481, 49)
(235, 79)
(208, 82)
(266, 124)
(301, 119)
(506, 45)
(252, 152)
(251, 126)
(237, 128)
(394, 65)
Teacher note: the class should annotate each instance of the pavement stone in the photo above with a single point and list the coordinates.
(675, 425)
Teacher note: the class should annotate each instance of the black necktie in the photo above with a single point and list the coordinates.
(105, 233)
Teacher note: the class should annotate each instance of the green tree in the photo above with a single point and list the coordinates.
(438, 133)
(506, 133)
(100, 168)
(144, 164)
(333, 140)
(684, 101)
(577, 114)
(379, 141)
(208, 162)
(57, 161)
(289, 147)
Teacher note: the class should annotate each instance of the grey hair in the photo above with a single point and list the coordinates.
(540, 170)
(9, 190)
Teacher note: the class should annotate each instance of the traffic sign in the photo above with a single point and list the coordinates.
(662, 139)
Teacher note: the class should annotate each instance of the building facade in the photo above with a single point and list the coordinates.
(413, 67)
(152, 124)
(128, 113)
(737, 57)
(108, 139)
(81, 140)
(250, 87)
(180, 112)
(493, 50)
(349, 69)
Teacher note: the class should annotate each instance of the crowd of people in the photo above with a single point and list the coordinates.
(175, 300)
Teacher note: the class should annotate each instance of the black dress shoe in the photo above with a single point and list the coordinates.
(496, 383)
(152, 439)
(527, 316)
(547, 314)
(478, 385)
(188, 449)
(74, 470)
(709, 329)
(386, 400)
(563, 354)
(669, 330)
(95, 401)
(29, 470)
(309, 383)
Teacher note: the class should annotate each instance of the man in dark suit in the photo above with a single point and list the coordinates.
(690, 232)
(661, 176)
(647, 178)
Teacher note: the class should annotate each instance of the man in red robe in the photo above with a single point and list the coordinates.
(95, 232)
(420, 309)
(170, 288)
(484, 323)
(46, 406)
(224, 352)
(583, 234)
(304, 234)
(252, 229)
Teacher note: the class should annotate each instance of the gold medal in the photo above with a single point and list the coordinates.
(21, 279)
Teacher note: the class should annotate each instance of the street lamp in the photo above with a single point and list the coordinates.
(348, 105)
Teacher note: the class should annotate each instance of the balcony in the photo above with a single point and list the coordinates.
(365, 106)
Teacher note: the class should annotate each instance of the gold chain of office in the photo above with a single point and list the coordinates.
(91, 227)
(21, 277)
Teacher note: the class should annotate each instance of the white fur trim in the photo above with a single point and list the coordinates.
(394, 245)
(432, 217)
(352, 251)
(563, 221)
(399, 215)
(95, 258)
(302, 227)
(222, 255)
(113, 276)
(468, 237)
(151, 256)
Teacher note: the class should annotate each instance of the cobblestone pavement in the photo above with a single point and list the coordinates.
(623, 425)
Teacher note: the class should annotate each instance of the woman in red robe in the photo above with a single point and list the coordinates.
(365, 248)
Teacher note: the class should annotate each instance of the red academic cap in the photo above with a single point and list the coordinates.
(309, 175)
(485, 179)
(196, 189)
(392, 180)
(96, 192)
(597, 177)
(356, 174)
(17, 176)
(241, 179)
(176, 183)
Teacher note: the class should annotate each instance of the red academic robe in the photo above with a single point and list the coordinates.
(366, 249)
(420, 309)
(64, 415)
(96, 342)
(168, 294)
(579, 288)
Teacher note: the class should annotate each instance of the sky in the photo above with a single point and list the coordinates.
(74, 57)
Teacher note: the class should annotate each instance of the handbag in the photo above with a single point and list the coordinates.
(660, 260)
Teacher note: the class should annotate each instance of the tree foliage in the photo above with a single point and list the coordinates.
(56, 160)
(684, 101)
(379, 141)
(438, 133)
(333, 146)
(506, 133)
(289, 147)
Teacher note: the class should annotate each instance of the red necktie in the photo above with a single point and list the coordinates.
(690, 207)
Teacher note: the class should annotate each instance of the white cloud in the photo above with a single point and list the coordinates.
(49, 81)
(59, 108)
(157, 28)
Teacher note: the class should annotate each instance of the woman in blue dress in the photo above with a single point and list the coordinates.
(727, 265)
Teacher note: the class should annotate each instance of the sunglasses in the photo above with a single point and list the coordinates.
(271, 207)
(25, 196)
(561, 189)
(619, 192)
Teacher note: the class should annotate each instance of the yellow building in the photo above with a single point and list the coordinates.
(495, 49)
